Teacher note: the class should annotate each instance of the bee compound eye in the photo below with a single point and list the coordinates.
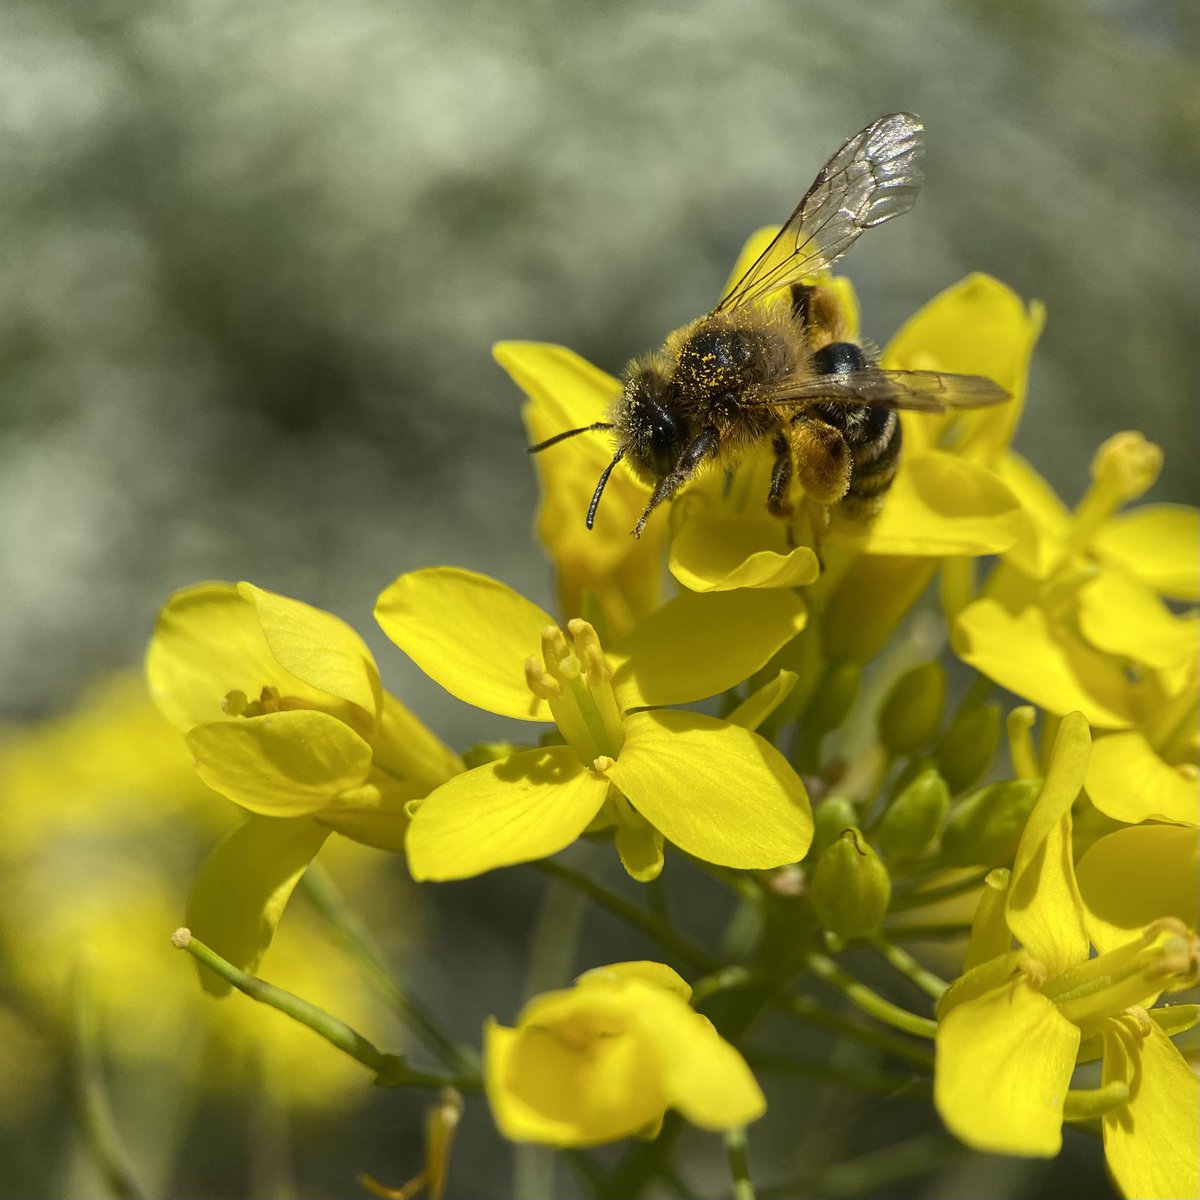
(839, 358)
(665, 442)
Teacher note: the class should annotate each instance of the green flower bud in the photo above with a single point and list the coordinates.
(969, 746)
(912, 711)
(850, 888)
(831, 818)
(983, 830)
(834, 698)
(914, 818)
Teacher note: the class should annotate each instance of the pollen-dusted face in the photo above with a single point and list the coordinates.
(654, 436)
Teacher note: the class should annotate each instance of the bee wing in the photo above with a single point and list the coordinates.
(920, 391)
(874, 177)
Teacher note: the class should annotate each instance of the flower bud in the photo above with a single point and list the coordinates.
(831, 818)
(969, 746)
(834, 698)
(984, 829)
(912, 711)
(914, 818)
(850, 888)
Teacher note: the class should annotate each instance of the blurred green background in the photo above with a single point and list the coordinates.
(255, 256)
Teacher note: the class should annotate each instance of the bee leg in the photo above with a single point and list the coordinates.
(702, 446)
(823, 459)
(778, 504)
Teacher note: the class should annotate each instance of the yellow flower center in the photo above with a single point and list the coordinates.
(238, 704)
(575, 680)
(1164, 959)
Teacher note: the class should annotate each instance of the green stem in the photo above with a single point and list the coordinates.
(900, 959)
(355, 936)
(809, 1011)
(92, 1100)
(929, 930)
(876, 1173)
(551, 964)
(739, 1163)
(390, 1069)
(870, 1002)
(875, 1083)
(645, 920)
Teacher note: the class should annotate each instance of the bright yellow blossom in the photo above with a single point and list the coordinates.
(602, 573)
(713, 788)
(605, 1060)
(1013, 1027)
(284, 714)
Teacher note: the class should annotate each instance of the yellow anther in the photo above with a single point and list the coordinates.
(1127, 463)
(1137, 1020)
(603, 763)
(234, 704)
(589, 652)
(539, 681)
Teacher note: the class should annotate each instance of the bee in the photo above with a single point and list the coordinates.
(774, 361)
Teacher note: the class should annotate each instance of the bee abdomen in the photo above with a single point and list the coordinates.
(876, 459)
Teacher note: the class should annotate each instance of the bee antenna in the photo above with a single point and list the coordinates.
(559, 437)
(595, 504)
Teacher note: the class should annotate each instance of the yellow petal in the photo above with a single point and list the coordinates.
(656, 973)
(521, 808)
(1040, 546)
(562, 381)
(706, 1079)
(1004, 1063)
(714, 553)
(640, 847)
(868, 602)
(1045, 912)
(470, 633)
(208, 642)
(939, 505)
(713, 789)
(1156, 544)
(1152, 1142)
(977, 327)
(406, 748)
(374, 815)
(243, 888)
(687, 649)
(543, 1088)
(283, 764)
(581, 1069)
(1129, 782)
(759, 705)
(317, 647)
(1137, 875)
(1042, 663)
(1121, 616)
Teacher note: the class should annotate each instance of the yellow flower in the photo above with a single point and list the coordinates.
(602, 573)
(605, 1060)
(713, 788)
(103, 816)
(1013, 1027)
(1076, 619)
(284, 714)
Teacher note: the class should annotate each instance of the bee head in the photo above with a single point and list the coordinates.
(647, 421)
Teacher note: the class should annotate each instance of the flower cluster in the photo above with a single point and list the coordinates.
(782, 722)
